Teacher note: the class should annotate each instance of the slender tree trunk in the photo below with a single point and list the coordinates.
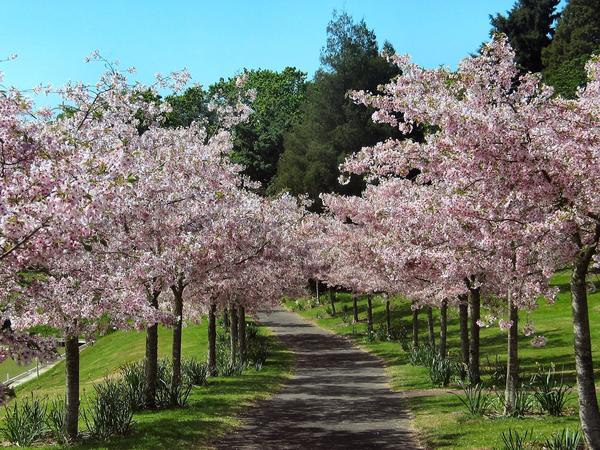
(332, 300)
(589, 415)
(355, 307)
(72, 397)
(415, 328)
(443, 327)
(463, 313)
(369, 313)
(234, 335)
(226, 323)
(318, 294)
(475, 309)
(212, 341)
(430, 327)
(151, 358)
(176, 348)
(388, 318)
(512, 364)
(242, 332)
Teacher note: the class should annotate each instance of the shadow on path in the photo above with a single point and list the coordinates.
(338, 398)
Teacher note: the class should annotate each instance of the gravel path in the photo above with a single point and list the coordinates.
(338, 398)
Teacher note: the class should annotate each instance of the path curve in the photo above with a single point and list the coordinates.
(338, 397)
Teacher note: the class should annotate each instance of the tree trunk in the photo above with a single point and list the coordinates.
(443, 327)
(369, 314)
(388, 318)
(463, 313)
(242, 332)
(430, 327)
(151, 358)
(332, 300)
(355, 307)
(589, 415)
(475, 307)
(212, 341)
(234, 335)
(226, 323)
(176, 348)
(72, 397)
(512, 364)
(415, 327)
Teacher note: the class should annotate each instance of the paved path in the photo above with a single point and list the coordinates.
(338, 398)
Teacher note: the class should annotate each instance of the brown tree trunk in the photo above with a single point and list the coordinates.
(388, 318)
(332, 301)
(415, 328)
(151, 358)
(369, 314)
(234, 334)
(176, 348)
(226, 323)
(512, 364)
(355, 307)
(443, 327)
(463, 313)
(212, 341)
(242, 332)
(589, 415)
(72, 397)
(475, 309)
(430, 327)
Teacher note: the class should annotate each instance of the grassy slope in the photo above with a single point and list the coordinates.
(212, 410)
(440, 418)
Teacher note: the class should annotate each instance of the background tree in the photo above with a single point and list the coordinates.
(577, 37)
(528, 26)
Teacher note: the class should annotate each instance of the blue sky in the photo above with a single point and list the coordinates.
(214, 39)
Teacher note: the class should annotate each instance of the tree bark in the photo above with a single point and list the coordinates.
(369, 313)
(176, 348)
(332, 300)
(475, 309)
(151, 358)
(212, 341)
(226, 323)
(72, 397)
(388, 318)
(512, 364)
(463, 313)
(233, 334)
(430, 327)
(589, 415)
(355, 307)
(415, 328)
(443, 328)
(242, 332)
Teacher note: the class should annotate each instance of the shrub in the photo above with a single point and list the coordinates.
(257, 353)
(422, 356)
(134, 382)
(194, 372)
(24, 422)
(524, 402)
(565, 440)
(109, 412)
(474, 399)
(551, 392)
(56, 420)
(440, 371)
(515, 441)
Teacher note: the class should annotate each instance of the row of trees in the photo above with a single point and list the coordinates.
(498, 193)
(112, 219)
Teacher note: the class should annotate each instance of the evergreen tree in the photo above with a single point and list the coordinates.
(577, 37)
(528, 27)
(332, 126)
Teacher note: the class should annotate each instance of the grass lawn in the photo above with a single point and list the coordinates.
(439, 416)
(212, 409)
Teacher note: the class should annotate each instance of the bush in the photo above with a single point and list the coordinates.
(134, 382)
(515, 441)
(194, 372)
(551, 392)
(524, 402)
(440, 371)
(110, 412)
(475, 400)
(565, 440)
(257, 353)
(24, 422)
(422, 356)
(56, 420)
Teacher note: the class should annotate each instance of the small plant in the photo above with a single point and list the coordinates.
(56, 420)
(551, 392)
(231, 369)
(194, 372)
(513, 440)
(474, 399)
(257, 353)
(24, 422)
(440, 371)
(496, 370)
(565, 440)
(110, 412)
(422, 356)
(523, 403)
(134, 381)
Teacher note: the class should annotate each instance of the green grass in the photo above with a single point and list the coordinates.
(212, 409)
(439, 416)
